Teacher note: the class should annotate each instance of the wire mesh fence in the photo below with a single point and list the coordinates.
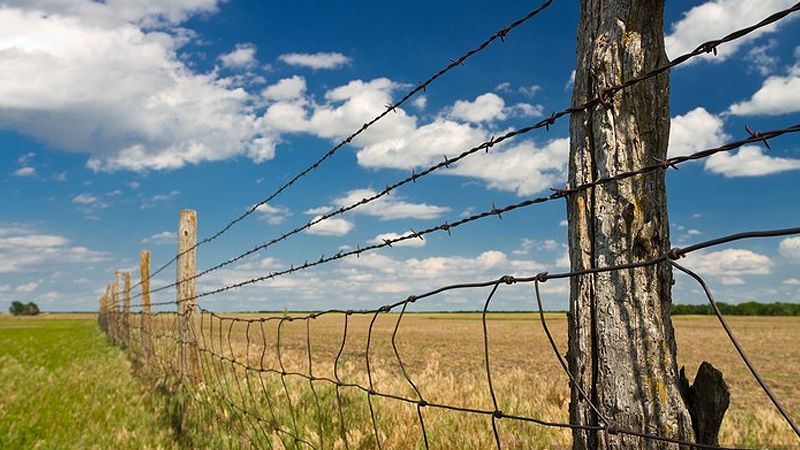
(375, 378)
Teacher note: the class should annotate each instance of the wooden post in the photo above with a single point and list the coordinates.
(126, 311)
(117, 314)
(621, 341)
(144, 274)
(187, 293)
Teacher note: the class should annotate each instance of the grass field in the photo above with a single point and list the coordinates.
(62, 386)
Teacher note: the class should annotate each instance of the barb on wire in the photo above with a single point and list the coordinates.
(545, 123)
(557, 194)
(501, 34)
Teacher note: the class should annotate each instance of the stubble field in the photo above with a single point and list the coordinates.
(62, 386)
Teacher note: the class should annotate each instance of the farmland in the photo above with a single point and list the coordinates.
(64, 387)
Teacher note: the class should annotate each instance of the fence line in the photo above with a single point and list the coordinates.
(276, 392)
(603, 97)
(421, 87)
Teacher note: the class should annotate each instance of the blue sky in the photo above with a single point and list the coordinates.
(116, 115)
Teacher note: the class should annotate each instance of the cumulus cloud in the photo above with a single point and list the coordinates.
(729, 262)
(334, 226)
(749, 161)
(22, 250)
(273, 215)
(243, 56)
(285, 89)
(524, 168)
(778, 95)
(389, 207)
(789, 248)
(316, 61)
(717, 18)
(93, 77)
(694, 131)
(485, 108)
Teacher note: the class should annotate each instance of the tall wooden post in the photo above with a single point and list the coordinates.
(144, 277)
(126, 310)
(187, 294)
(621, 340)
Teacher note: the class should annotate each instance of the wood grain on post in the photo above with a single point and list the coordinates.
(126, 311)
(622, 348)
(187, 294)
(144, 274)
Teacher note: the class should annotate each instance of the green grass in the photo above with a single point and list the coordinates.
(62, 386)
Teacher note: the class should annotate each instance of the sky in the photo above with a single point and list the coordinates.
(116, 115)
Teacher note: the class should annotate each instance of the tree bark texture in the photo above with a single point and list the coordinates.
(621, 341)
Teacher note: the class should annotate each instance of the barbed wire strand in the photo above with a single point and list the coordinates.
(602, 97)
(421, 87)
(447, 227)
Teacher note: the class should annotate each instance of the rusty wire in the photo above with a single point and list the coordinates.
(600, 98)
(421, 87)
(222, 364)
(447, 227)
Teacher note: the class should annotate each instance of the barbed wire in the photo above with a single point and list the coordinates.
(421, 87)
(214, 340)
(558, 193)
(602, 97)
(264, 402)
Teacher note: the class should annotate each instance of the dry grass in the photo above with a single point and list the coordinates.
(443, 355)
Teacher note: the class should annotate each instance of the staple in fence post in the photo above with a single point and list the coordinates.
(187, 294)
(144, 274)
(126, 311)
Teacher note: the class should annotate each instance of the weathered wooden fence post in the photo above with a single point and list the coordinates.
(126, 310)
(117, 313)
(146, 327)
(621, 341)
(187, 295)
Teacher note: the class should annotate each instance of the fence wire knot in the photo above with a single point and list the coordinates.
(757, 135)
(541, 277)
(497, 414)
(613, 429)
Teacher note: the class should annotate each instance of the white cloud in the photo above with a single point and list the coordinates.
(530, 91)
(85, 199)
(389, 207)
(318, 211)
(789, 248)
(524, 168)
(694, 131)
(25, 172)
(273, 215)
(24, 251)
(285, 89)
(26, 288)
(333, 226)
(778, 95)
(749, 161)
(413, 242)
(163, 238)
(316, 61)
(730, 263)
(243, 56)
(422, 146)
(420, 102)
(485, 108)
(760, 58)
(716, 18)
(791, 282)
(93, 77)
(732, 281)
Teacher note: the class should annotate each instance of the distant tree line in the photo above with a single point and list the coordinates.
(742, 309)
(22, 309)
